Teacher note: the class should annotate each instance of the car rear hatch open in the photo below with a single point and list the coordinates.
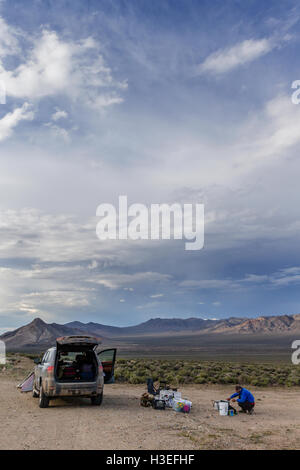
(76, 359)
(84, 342)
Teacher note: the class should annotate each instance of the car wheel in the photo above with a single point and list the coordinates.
(97, 400)
(35, 394)
(44, 400)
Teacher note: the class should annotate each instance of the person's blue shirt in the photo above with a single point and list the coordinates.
(244, 395)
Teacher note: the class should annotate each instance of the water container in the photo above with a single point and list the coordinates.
(223, 408)
(216, 405)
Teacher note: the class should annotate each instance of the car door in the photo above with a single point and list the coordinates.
(107, 357)
(39, 369)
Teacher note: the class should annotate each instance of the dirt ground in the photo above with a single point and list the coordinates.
(121, 423)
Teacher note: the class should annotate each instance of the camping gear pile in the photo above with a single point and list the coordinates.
(161, 396)
(224, 408)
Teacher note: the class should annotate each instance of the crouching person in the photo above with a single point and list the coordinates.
(245, 399)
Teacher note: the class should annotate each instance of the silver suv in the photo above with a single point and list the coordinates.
(76, 368)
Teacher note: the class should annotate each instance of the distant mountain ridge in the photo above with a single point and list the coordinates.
(39, 334)
(36, 334)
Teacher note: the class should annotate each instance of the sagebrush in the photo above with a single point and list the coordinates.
(136, 371)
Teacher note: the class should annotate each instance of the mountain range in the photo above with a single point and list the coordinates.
(40, 335)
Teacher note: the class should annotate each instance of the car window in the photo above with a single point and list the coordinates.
(71, 357)
(52, 355)
(107, 355)
(45, 358)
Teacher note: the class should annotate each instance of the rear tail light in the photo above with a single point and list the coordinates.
(50, 370)
(100, 369)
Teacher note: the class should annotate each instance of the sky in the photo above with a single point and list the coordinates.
(163, 101)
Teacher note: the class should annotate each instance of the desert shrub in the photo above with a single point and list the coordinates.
(134, 379)
(171, 379)
(264, 381)
(243, 378)
(254, 381)
(293, 380)
(120, 377)
(188, 371)
(182, 379)
(226, 379)
(140, 372)
(200, 379)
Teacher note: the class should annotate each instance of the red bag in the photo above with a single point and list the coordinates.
(69, 373)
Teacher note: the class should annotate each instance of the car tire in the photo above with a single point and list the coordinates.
(44, 400)
(35, 394)
(97, 400)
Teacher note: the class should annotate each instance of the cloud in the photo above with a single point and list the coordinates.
(209, 284)
(276, 130)
(249, 138)
(224, 60)
(34, 291)
(8, 39)
(58, 131)
(54, 66)
(55, 263)
(45, 71)
(149, 306)
(30, 234)
(65, 298)
(11, 120)
(286, 277)
(116, 281)
(93, 265)
(284, 119)
(256, 278)
(59, 114)
(156, 296)
(44, 65)
(47, 65)
(280, 278)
